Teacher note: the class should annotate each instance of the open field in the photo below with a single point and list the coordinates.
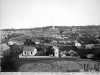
(24, 64)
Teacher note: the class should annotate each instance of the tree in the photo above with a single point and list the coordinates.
(61, 32)
(49, 50)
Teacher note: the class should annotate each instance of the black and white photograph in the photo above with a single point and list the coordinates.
(58, 36)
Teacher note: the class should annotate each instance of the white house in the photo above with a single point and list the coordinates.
(89, 46)
(54, 42)
(56, 51)
(29, 51)
(90, 55)
(11, 42)
(78, 45)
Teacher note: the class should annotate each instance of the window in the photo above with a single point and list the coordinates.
(25, 52)
(31, 52)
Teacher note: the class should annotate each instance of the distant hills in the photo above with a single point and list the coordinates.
(60, 27)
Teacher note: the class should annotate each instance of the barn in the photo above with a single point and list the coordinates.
(6, 50)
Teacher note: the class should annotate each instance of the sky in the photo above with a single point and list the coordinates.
(38, 13)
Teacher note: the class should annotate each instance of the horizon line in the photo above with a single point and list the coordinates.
(48, 26)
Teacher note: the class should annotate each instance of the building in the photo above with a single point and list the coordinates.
(53, 29)
(19, 42)
(5, 50)
(3, 35)
(20, 32)
(89, 46)
(56, 51)
(54, 42)
(62, 42)
(78, 45)
(72, 53)
(53, 32)
(37, 42)
(28, 51)
(10, 43)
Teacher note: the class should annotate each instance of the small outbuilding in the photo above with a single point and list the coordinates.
(78, 45)
(73, 53)
(89, 46)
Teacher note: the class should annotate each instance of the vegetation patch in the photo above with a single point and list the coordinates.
(35, 67)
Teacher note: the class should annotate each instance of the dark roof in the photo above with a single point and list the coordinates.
(28, 49)
(67, 48)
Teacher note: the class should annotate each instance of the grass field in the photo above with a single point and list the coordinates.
(28, 64)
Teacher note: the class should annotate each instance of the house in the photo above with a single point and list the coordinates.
(53, 32)
(69, 41)
(90, 55)
(11, 43)
(3, 35)
(20, 31)
(19, 43)
(27, 51)
(62, 54)
(72, 53)
(69, 53)
(63, 42)
(53, 29)
(37, 42)
(54, 42)
(15, 42)
(5, 50)
(78, 45)
(89, 46)
(56, 51)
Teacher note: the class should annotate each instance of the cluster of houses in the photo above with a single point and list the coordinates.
(7, 49)
(51, 32)
(31, 51)
(17, 46)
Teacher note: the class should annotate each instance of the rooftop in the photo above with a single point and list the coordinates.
(53, 28)
(28, 48)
